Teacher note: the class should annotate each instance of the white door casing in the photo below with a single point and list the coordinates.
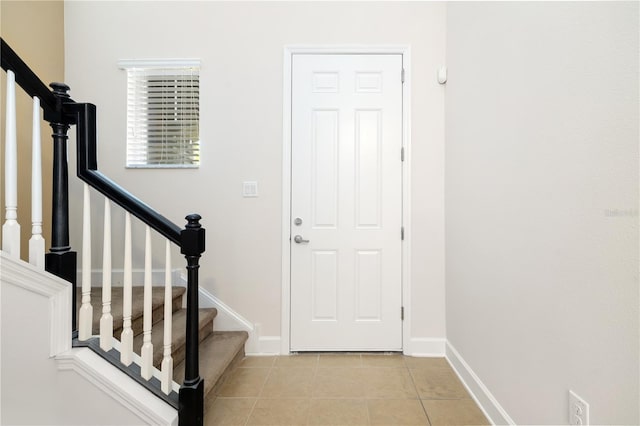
(346, 189)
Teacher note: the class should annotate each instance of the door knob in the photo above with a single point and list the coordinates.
(298, 239)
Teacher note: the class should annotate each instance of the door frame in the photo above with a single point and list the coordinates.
(289, 51)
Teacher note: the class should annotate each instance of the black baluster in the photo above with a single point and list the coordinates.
(191, 397)
(60, 260)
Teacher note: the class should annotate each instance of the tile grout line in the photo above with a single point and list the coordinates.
(313, 381)
(316, 365)
(260, 392)
(255, 402)
(424, 409)
(366, 400)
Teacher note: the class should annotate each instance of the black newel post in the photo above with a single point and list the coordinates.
(191, 397)
(60, 260)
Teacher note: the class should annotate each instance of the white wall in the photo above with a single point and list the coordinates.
(241, 46)
(542, 204)
(36, 325)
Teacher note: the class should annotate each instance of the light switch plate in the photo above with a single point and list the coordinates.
(250, 189)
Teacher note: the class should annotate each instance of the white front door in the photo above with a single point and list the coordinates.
(346, 203)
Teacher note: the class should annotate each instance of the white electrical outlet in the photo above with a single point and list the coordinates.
(578, 410)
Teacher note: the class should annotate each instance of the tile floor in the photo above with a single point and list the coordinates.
(343, 389)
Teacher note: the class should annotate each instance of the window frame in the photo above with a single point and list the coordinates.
(164, 67)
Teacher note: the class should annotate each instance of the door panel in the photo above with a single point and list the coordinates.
(346, 269)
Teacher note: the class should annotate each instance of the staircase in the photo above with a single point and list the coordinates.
(219, 351)
(195, 356)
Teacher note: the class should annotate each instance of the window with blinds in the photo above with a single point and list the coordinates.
(163, 115)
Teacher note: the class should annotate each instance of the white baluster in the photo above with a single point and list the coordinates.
(106, 321)
(146, 369)
(167, 361)
(36, 243)
(11, 228)
(85, 319)
(126, 338)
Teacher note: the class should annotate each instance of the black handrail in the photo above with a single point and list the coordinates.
(58, 107)
(85, 118)
(61, 260)
(29, 81)
(62, 112)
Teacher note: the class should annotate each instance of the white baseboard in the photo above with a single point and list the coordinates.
(426, 347)
(114, 383)
(479, 392)
(269, 345)
(229, 320)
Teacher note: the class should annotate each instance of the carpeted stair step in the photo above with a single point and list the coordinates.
(137, 302)
(178, 335)
(219, 351)
(218, 355)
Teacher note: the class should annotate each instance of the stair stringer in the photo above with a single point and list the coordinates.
(226, 320)
(229, 320)
(44, 346)
(20, 274)
(118, 386)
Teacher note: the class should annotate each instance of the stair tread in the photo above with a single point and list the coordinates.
(217, 350)
(178, 336)
(216, 354)
(137, 298)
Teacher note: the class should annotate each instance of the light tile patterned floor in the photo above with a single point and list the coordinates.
(343, 389)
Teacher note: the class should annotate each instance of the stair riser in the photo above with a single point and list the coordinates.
(157, 315)
(220, 354)
(136, 321)
(178, 351)
(214, 388)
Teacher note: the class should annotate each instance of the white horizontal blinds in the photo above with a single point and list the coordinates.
(163, 117)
